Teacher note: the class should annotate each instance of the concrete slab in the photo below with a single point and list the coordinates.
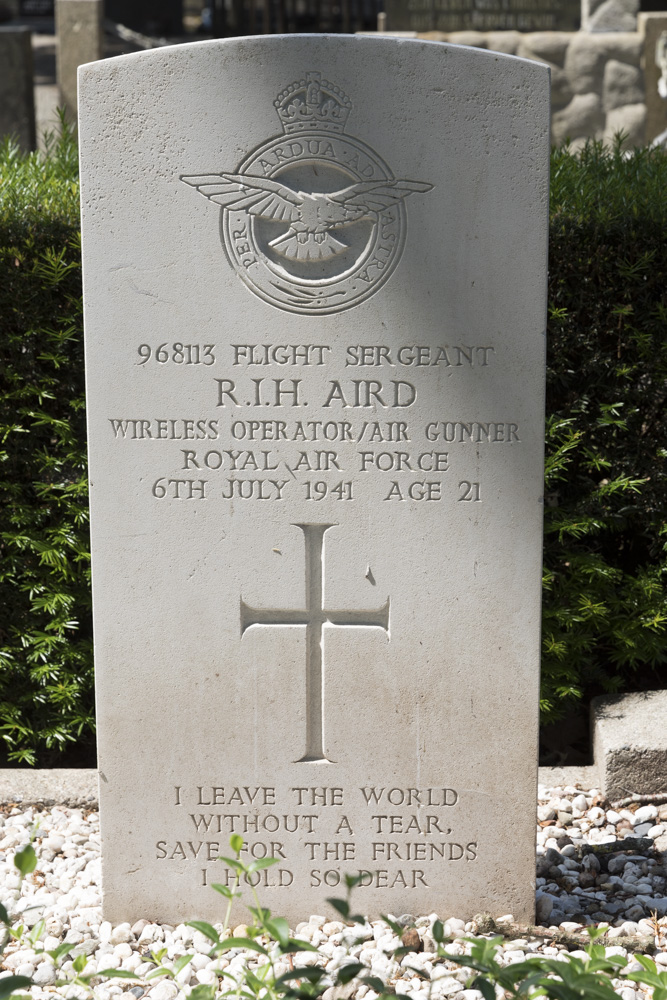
(582, 776)
(63, 786)
(630, 743)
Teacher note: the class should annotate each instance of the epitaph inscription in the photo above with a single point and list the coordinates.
(313, 221)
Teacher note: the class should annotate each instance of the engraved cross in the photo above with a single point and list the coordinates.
(314, 617)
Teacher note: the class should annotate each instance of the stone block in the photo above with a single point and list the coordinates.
(630, 743)
(651, 26)
(476, 39)
(503, 41)
(630, 119)
(310, 628)
(551, 46)
(622, 84)
(588, 54)
(79, 41)
(561, 91)
(62, 786)
(582, 118)
(609, 15)
(17, 101)
(626, 47)
(584, 64)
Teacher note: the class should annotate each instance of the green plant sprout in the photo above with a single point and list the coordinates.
(587, 975)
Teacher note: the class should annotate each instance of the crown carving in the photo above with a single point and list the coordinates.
(313, 103)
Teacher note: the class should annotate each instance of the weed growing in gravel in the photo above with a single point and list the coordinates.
(585, 974)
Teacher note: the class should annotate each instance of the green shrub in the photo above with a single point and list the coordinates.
(605, 554)
(605, 559)
(46, 674)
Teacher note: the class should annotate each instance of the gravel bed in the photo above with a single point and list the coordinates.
(625, 888)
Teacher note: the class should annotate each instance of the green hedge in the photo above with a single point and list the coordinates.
(46, 669)
(605, 553)
(605, 593)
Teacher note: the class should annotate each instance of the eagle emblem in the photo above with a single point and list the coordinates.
(311, 216)
(313, 221)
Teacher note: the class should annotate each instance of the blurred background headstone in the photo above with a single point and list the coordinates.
(79, 41)
(17, 104)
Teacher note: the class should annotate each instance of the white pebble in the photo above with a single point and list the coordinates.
(206, 976)
(165, 990)
(597, 816)
(545, 813)
(45, 974)
(54, 926)
(120, 934)
(150, 934)
(130, 963)
(143, 969)
(645, 813)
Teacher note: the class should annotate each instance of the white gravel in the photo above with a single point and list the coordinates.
(626, 890)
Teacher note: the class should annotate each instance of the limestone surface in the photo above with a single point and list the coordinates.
(315, 403)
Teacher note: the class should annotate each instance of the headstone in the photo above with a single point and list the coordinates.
(17, 100)
(483, 15)
(315, 273)
(79, 33)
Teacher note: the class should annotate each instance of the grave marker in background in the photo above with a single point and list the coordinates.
(17, 101)
(79, 34)
(315, 287)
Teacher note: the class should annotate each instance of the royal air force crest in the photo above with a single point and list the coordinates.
(313, 221)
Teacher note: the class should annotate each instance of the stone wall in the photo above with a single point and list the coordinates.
(597, 78)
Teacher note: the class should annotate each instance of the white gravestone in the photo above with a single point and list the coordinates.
(315, 277)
